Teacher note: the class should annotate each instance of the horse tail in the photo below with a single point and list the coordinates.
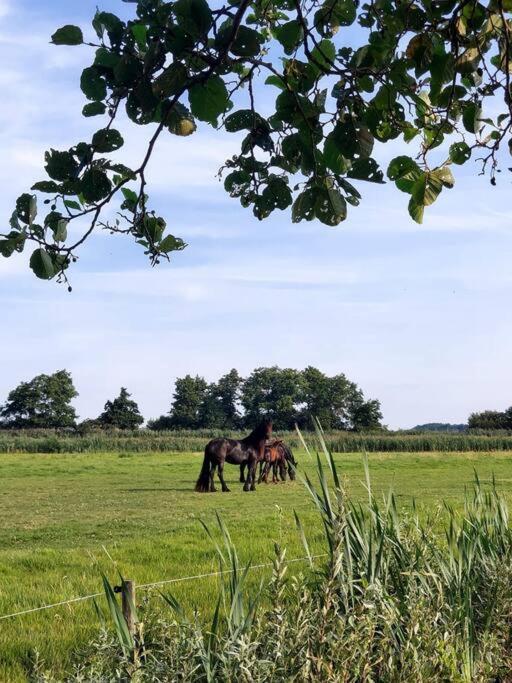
(203, 482)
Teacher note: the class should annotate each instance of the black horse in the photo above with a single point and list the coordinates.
(247, 451)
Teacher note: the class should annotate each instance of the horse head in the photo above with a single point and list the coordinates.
(266, 426)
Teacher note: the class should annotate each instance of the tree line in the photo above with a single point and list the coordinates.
(288, 396)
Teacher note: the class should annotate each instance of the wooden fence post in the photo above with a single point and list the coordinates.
(128, 605)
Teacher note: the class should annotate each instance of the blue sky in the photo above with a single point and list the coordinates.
(418, 316)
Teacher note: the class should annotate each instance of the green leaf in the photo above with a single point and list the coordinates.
(236, 183)
(330, 206)
(42, 264)
(60, 165)
(460, 152)
(171, 81)
(333, 14)
(68, 35)
(26, 208)
(444, 174)
(107, 140)
(194, 16)
(140, 33)
(245, 119)
(247, 42)
(95, 185)
(275, 80)
(289, 35)
(128, 70)
(47, 186)
(153, 228)
(304, 206)
(209, 100)
(71, 204)
(471, 116)
(442, 69)
(405, 172)
(106, 58)
(94, 109)
(323, 56)
(61, 230)
(468, 60)
(277, 194)
(15, 241)
(171, 243)
(92, 84)
(106, 21)
(366, 169)
(416, 210)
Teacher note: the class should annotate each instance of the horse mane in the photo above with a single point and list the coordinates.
(259, 433)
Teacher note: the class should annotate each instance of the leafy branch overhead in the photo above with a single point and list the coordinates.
(310, 104)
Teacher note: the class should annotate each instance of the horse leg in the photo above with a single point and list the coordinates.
(252, 468)
(242, 473)
(282, 471)
(266, 472)
(212, 473)
(250, 482)
(263, 467)
(275, 480)
(220, 471)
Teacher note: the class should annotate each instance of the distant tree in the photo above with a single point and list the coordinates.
(88, 426)
(228, 393)
(491, 419)
(330, 399)
(161, 423)
(210, 413)
(122, 412)
(366, 415)
(189, 395)
(440, 427)
(219, 409)
(272, 392)
(44, 402)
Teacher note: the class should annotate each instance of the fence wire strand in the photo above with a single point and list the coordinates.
(141, 586)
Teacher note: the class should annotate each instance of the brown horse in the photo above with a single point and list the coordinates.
(273, 459)
(247, 451)
(279, 457)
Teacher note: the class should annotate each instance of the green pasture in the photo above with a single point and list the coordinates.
(66, 517)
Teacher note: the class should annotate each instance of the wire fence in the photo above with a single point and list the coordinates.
(147, 586)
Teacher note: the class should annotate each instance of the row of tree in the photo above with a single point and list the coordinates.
(45, 403)
(287, 396)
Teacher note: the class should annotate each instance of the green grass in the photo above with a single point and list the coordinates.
(66, 516)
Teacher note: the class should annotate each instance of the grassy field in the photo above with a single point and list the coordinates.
(66, 517)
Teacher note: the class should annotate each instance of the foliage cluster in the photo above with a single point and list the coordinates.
(432, 74)
(491, 419)
(45, 403)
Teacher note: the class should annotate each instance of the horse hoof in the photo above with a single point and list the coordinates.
(226, 490)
